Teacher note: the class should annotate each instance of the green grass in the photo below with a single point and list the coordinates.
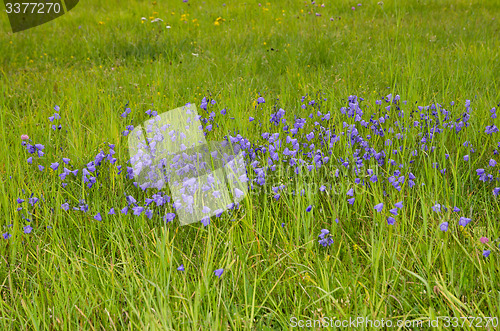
(121, 273)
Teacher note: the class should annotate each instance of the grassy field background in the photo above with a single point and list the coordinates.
(72, 271)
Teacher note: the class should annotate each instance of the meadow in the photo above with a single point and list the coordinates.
(370, 138)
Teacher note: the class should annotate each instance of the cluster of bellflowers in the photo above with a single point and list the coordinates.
(368, 145)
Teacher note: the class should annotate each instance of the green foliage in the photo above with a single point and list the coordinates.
(74, 272)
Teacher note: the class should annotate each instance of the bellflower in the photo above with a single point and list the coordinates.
(219, 272)
(464, 221)
(27, 229)
(169, 217)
